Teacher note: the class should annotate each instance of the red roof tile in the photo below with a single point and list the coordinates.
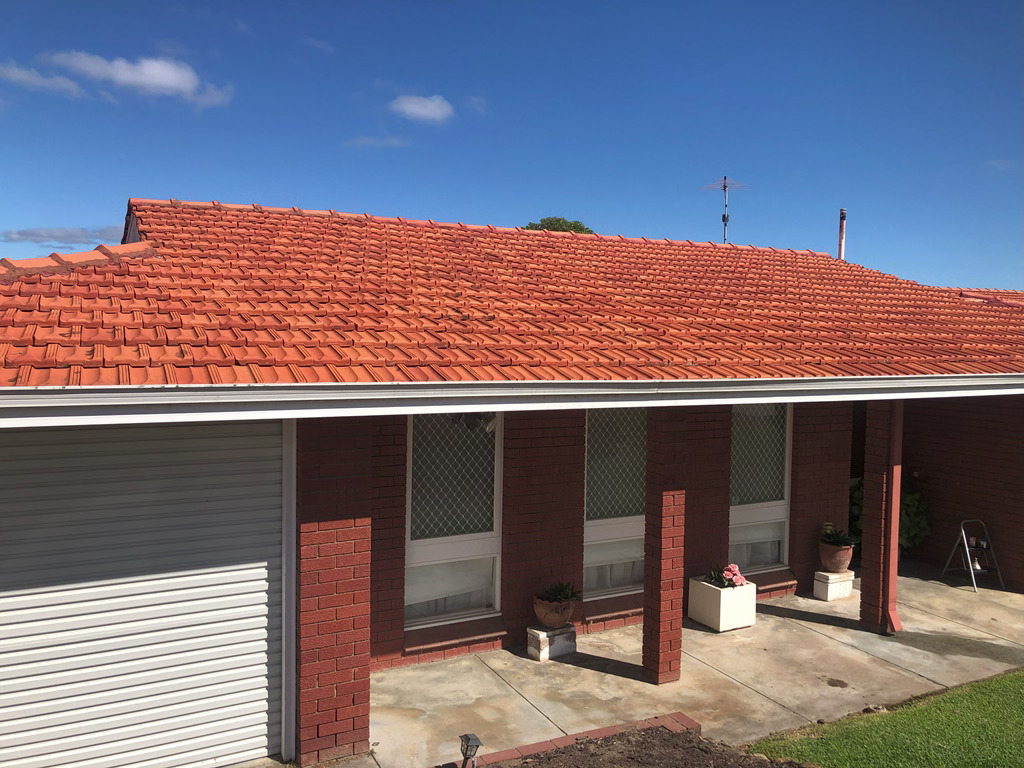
(217, 293)
(1008, 298)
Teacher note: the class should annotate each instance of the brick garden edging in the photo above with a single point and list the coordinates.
(675, 721)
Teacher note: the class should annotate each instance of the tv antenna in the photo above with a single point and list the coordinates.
(725, 185)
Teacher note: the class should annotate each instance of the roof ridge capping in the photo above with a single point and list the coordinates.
(62, 263)
(296, 211)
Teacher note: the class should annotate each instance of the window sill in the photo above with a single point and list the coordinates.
(774, 583)
(441, 636)
(605, 609)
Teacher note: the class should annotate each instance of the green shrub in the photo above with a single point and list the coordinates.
(913, 515)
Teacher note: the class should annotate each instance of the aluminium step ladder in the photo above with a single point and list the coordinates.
(977, 554)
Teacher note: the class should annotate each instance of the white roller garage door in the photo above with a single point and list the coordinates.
(140, 595)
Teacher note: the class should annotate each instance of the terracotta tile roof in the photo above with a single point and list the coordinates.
(1007, 298)
(239, 294)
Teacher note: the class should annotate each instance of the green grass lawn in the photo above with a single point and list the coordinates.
(980, 725)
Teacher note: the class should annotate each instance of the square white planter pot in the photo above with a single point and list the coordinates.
(721, 608)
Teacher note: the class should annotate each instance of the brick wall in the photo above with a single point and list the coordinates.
(966, 457)
(542, 510)
(334, 509)
(819, 482)
(611, 613)
(687, 512)
(705, 450)
(387, 556)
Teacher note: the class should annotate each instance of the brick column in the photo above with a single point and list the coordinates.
(333, 506)
(542, 510)
(880, 521)
(387, 555)
(687, 482)
(819, 481)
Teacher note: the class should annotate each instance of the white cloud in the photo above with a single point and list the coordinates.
(1000, 164)
(155, 76)
(243, 28)
(377, 142)
(30, 78)
(60, 236)
(173, 49)
(478, 104)
(212, 96)
(321, 45)
(424, 109)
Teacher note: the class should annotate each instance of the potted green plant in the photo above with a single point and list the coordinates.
(554, 606)
(723, 599)
(835, 549)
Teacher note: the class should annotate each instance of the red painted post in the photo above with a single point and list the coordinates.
(880, 520)
(890, 562)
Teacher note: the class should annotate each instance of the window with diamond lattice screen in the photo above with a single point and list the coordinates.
(758, 471)
(616, 462)
(759, 509)
(452, 475)
(613, 550)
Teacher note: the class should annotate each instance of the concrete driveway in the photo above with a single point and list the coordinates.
(803, 660)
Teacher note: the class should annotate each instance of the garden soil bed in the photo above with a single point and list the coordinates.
(651, 748)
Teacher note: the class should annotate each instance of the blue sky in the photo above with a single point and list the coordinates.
(908, 114)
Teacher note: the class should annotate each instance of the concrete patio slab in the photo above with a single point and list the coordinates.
(418, 713)
(992, 611)
(929, 645)
(802, 661)
(602, 685)
(805, 671)
(356, 761)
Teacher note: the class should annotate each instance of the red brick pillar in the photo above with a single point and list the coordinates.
(387, 555)
(687, 474)
(819, 482)
(883, 435)
(333, 505)
(544, 465)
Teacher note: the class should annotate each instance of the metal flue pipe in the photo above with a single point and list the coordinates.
(842, 234)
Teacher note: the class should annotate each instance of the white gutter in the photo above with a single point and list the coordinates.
(67, 406)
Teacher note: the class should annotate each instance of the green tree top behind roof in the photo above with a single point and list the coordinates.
(558, 224)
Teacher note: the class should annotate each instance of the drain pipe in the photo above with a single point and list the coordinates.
(842, 234)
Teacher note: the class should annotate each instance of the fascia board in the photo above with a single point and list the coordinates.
(64, 406)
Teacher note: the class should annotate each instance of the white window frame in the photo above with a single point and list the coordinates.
(609, 530)
(449, 549)
(744, 515)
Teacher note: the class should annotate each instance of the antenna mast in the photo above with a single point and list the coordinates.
(724, 185)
